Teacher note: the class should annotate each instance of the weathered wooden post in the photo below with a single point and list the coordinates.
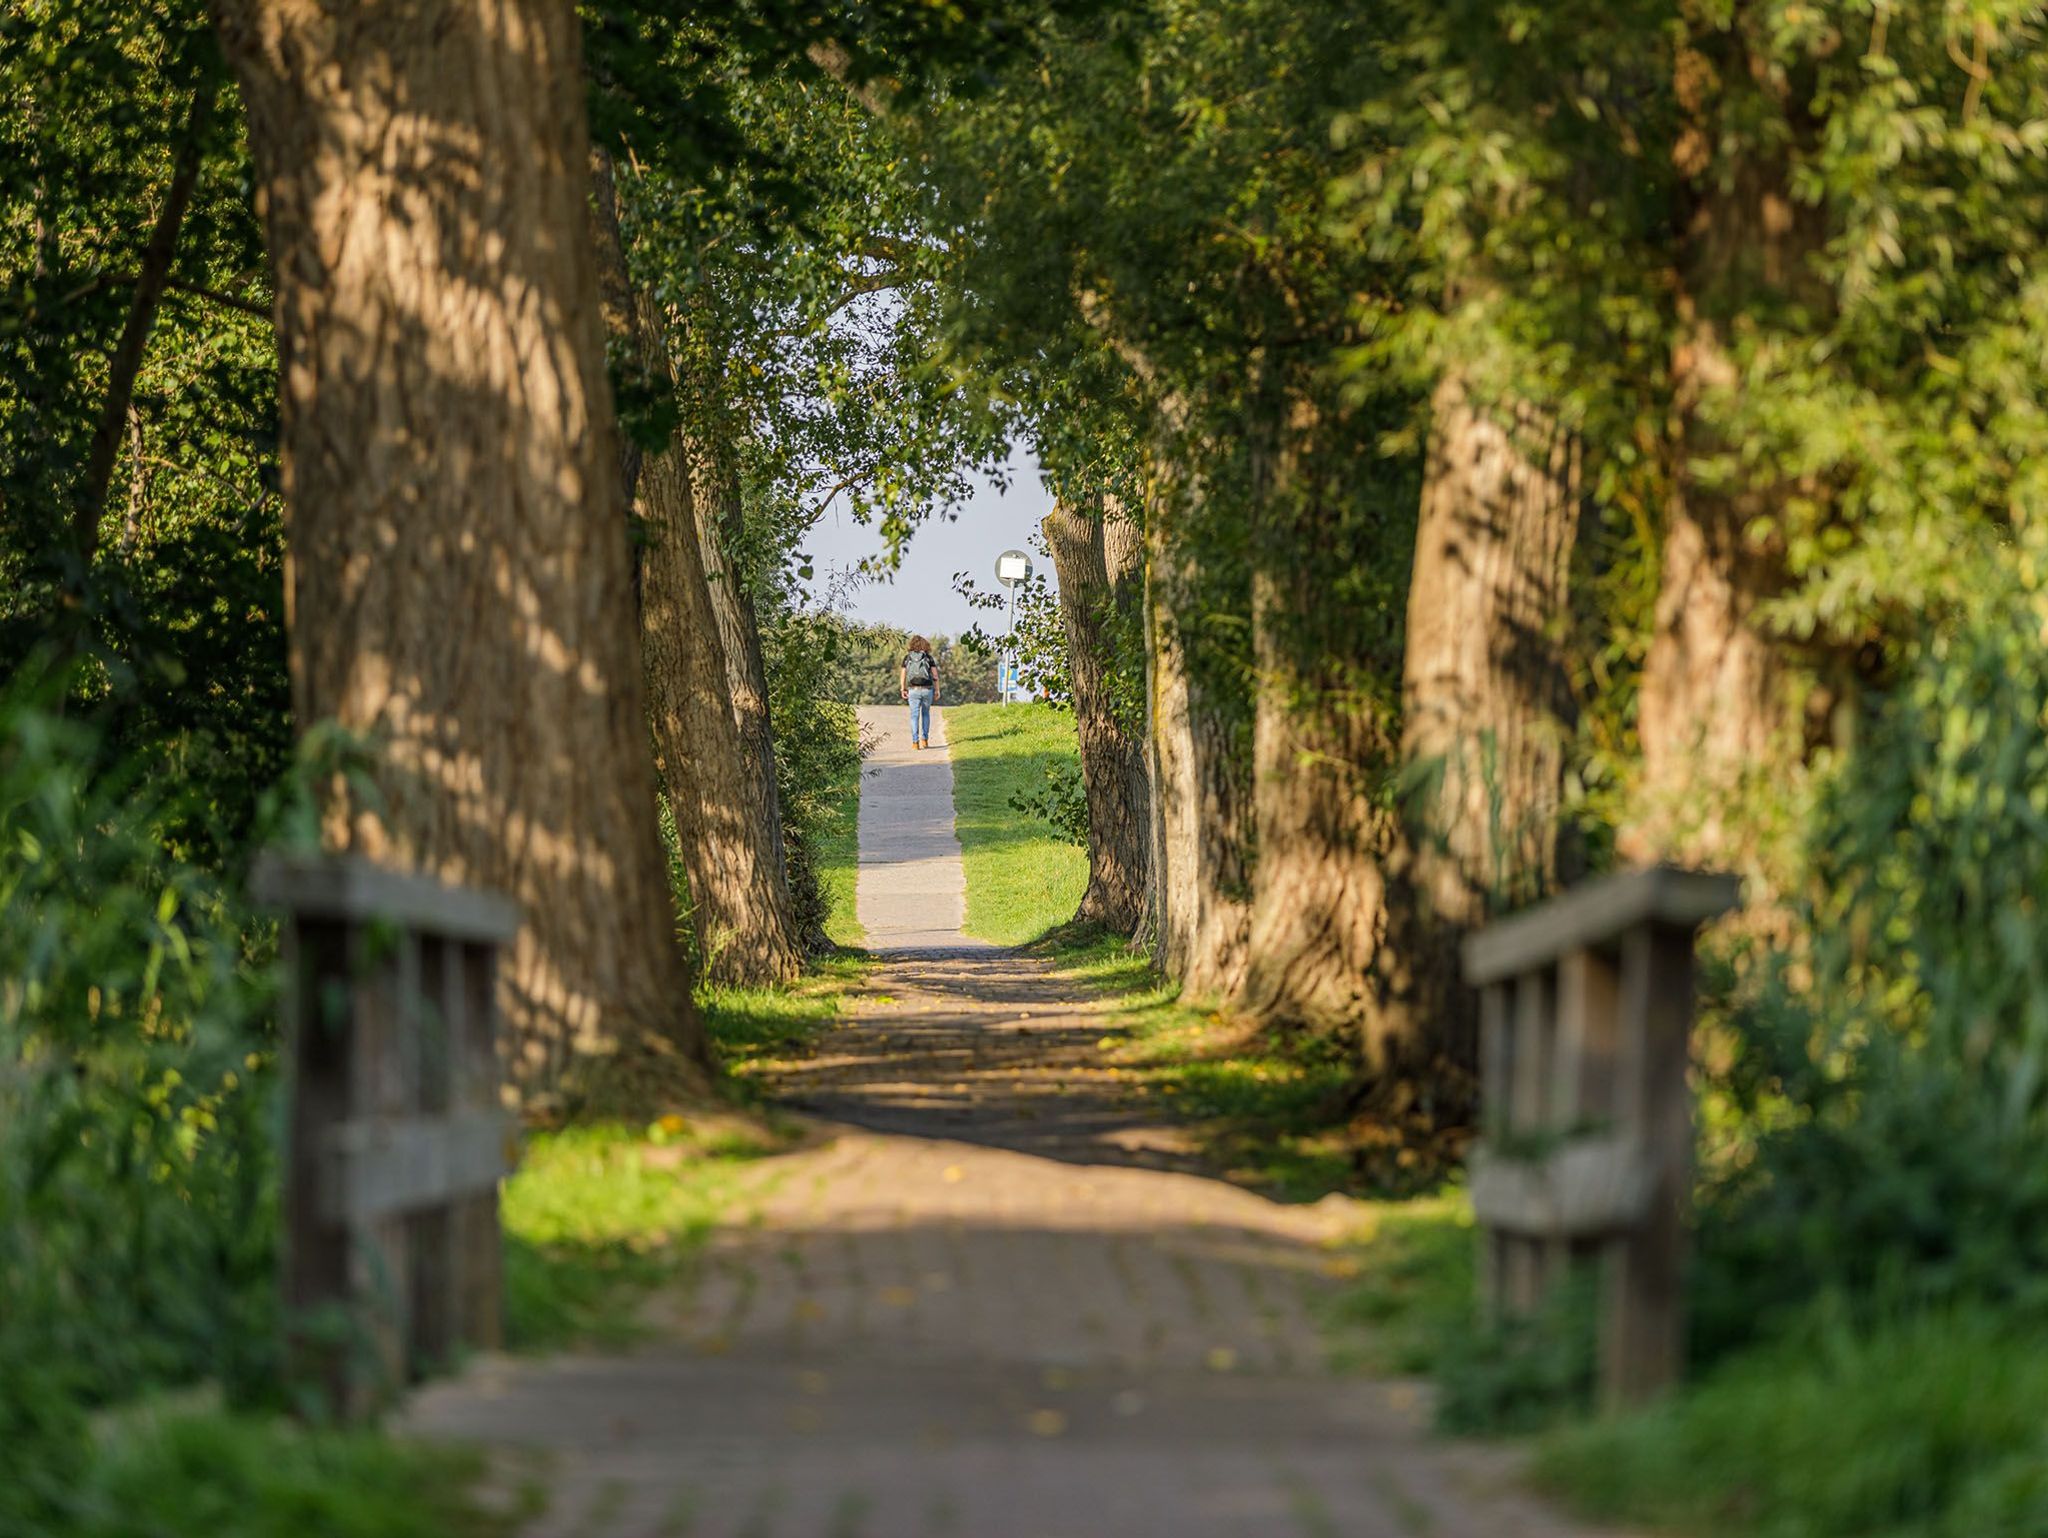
(1586, 1011)
(396, 1134)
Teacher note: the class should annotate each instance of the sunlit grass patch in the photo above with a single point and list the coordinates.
(751, 1026)
(598, 1217)
(838, 850)
(1262, 1107)
(1022, 877)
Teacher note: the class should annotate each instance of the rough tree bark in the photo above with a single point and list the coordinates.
(1323, 735)
(1485, 697)
(1098, 553)
(1720, 705)
(739, 897)
(1199, 822)
(459, 586)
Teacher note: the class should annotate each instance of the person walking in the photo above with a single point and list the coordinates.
(918, 673)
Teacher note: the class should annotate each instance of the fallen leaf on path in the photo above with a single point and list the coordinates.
(1047, 1423)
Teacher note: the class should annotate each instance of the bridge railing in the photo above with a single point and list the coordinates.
(396, 1136)
(1586, 1149)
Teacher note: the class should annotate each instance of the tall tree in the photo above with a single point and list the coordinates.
(1201, 817)
(1331, 524)
(460, 588)
(1098, 553)
(728, 827)
(1722, 698)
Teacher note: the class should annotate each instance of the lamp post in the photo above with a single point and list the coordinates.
(1013, 569)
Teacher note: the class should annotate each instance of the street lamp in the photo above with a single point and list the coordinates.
(1013, 570)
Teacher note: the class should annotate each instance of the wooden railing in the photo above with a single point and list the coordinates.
(1586, 1115)
(396, 1136)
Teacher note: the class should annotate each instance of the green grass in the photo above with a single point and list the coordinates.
(599, 1217)
(159, 1473)
(1267, 1112)
(1022, 877)
(1928, 1427)
(752, 1026)
(839, 867)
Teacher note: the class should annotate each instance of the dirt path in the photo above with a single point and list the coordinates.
(994, 1299)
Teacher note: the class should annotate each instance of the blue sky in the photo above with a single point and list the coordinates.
(921, 596)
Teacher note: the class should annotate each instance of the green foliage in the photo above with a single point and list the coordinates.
(1061, 802)
(860, 662)
(137, 1200)
(1894, 1072)
(177, 595)
(1923, 1426)
(1033, 635)
(817, 760)
(1022, 878)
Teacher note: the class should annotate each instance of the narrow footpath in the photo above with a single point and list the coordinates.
(993, 1298)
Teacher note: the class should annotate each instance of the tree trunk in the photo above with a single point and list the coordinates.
(1322, 745)
(1720, 712)
(1096, 553)
(459, 586)
(721, 528)
(1485, 699)
(1198, 823)
(739, 901)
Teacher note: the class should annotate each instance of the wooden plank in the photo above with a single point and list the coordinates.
(382, 983)
(435, 1327)
(1534, 1030)
(347, 887)
(391, 1165)
(316, 1283)
(1590, 1186)
(1642, 1344)
(1496, 1056)
(477, 1086)
(1588, 1040)
(1597, 914)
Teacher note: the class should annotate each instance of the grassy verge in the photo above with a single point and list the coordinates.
(752, 1027)
(1267, 1111)
(203, 1473)
(839, 866)
(599, 1217)
(1022, 877)
(1927, 1427)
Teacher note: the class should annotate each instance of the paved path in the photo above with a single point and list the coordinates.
(911, 898)
(993, 1298)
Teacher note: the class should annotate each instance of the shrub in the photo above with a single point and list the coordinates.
(1896, 1066)
(137, 1233)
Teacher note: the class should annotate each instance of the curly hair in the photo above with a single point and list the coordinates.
(919, 644)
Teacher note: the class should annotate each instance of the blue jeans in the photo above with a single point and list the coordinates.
(921, 714)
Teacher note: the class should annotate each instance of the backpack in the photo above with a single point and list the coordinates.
(919, 669)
